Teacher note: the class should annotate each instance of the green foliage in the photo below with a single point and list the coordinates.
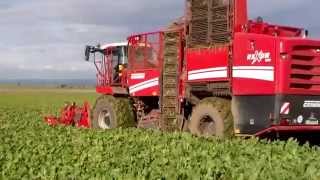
(29, 149)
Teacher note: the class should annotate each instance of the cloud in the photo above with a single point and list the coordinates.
(46, 38)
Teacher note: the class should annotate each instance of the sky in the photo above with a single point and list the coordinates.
(45, 39)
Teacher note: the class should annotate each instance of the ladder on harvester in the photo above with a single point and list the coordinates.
(170, 82)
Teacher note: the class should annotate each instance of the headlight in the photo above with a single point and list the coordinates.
(300, 119)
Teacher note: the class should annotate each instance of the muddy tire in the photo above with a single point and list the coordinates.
(110, 113)
(212, 117)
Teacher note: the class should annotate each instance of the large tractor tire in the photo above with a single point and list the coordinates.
(212, 117)
(110, 112)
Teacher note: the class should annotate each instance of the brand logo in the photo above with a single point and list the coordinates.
(259, 57)
(138, 76)
(311, 104)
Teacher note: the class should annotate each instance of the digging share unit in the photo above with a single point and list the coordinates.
(214, 73)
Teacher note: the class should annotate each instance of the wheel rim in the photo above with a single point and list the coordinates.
(104, 120)
(207, 126)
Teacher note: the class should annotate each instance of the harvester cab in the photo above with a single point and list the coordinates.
(124, 68)
(111, 61)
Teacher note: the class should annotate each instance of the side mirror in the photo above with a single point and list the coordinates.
(87, 53)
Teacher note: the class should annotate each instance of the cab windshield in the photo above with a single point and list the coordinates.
(119, 56)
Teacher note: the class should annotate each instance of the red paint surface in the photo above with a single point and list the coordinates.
(149, 74)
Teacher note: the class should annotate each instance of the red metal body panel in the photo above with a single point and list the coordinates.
(265, 60)
(104, 90)
(295, 63)
(273, 30)
(254, 64)
(288, 129)
(240, 14)
(144, 82)
(145, 62)
(181, 68)
(299, 66)
(207, 64)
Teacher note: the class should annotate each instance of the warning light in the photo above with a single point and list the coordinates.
(154, 93)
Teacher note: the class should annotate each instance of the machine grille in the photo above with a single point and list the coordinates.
(211, 22)
(305, 68)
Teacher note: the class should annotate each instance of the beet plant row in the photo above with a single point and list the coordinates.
(30, 149)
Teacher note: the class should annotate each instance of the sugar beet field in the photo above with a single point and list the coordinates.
(29, 149)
